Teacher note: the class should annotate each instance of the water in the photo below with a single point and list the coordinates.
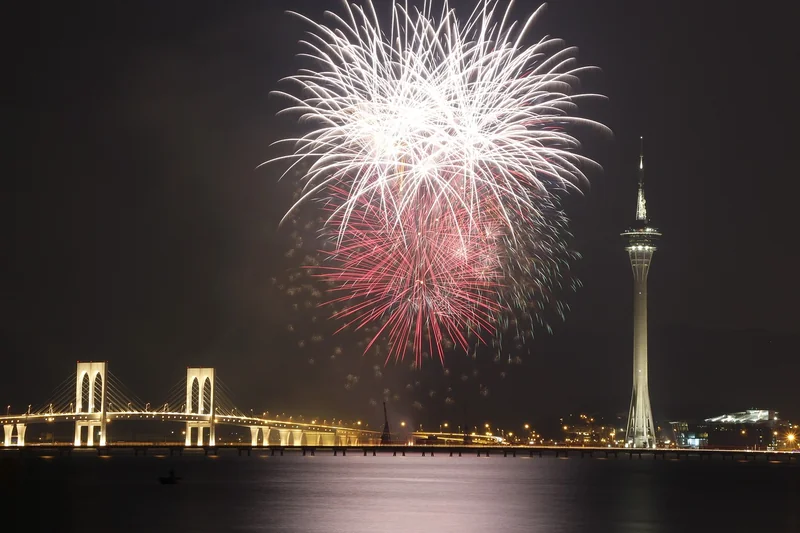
(356, 494)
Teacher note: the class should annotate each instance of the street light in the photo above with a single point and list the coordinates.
(403, 424)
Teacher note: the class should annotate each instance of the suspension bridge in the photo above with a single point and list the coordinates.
(93, 397)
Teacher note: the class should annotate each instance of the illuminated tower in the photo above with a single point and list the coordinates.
(641, 239)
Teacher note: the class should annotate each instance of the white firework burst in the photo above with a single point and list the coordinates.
(465, 112)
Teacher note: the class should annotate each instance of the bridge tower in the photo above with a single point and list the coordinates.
(200, 384)
(90, 401)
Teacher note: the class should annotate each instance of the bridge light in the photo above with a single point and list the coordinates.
(402, 424)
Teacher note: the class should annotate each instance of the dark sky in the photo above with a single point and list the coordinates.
(137, 229)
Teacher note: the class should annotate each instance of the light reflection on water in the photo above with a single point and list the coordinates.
(401, 494)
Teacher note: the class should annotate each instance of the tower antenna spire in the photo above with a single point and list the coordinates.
(641, 159)
(641, 205)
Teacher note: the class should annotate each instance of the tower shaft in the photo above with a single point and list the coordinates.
(641, 430)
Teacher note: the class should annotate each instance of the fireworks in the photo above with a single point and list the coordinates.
(438, 150)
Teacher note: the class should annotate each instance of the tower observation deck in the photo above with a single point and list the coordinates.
(641, 240)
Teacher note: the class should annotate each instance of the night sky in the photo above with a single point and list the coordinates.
(138, 230)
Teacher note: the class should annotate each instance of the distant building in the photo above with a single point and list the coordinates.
(754, 429)
(689, 434)
(585, 430)
(751, 416)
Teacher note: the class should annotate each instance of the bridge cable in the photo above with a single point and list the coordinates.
(60, 398)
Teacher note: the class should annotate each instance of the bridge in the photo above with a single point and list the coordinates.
(93, 397)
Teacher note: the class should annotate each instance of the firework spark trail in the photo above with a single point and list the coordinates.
(428, 279)
(433, 138)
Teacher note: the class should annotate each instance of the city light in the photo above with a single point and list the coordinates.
(790, 437)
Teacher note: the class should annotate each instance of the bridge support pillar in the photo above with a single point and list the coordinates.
(254, 435)
(315, 438)
(297, 437)
(8, 429)
(20, 434)
(91, 426)
(199, 440)
(284, 433)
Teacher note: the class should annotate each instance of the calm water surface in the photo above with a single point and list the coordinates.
(356, 494)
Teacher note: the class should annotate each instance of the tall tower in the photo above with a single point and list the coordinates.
(386, 436)
(640, 240)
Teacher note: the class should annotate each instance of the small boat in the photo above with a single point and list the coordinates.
(172, 479)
